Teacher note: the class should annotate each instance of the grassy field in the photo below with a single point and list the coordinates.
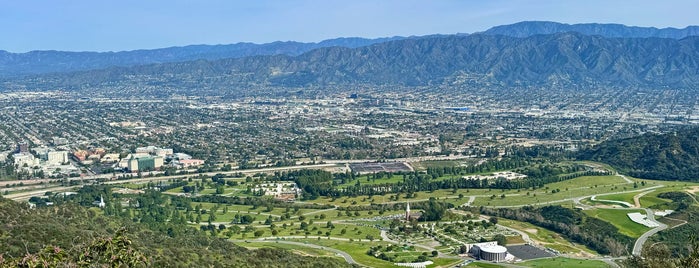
(365, 180)
(355, 249)
(581, 186)
(564, 262)
(353, 232)
(442, 163)
(620, 220)
(625, 197)
(650, 200)
(546, 237)
(305, 251)
(484, 265)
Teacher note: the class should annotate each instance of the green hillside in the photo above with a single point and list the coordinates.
(73, 236)
(671, 156)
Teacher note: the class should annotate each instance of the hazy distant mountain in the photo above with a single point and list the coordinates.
(37, 62)
(41, 62)
(529, 28)
(564, 58)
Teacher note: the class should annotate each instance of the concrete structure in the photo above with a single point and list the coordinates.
(146, 150)
(642, 219)
(108, 158)
(163, 151)
(489, 251)
(22, 159)
(145, 163)
(286, 191)
(59, 141)
(186, 163)
(56, 158)
(181, 156)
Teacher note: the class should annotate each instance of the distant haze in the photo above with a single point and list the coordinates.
(129, 24)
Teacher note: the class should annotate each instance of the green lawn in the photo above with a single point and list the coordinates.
(582, 186)
(484, 265)
(355, 249)
(294, 248)
(363, 180)
(354, 232)
(620, 219)
(625, 197)
(564, 262)
(548, 238)
(649, 200)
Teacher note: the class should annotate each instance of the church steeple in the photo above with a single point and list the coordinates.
(407, 212)
(101, 204)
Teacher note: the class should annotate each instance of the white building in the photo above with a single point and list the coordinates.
(108, 158)
(22, 159)
(146, 150)
(56, 158)
(163, 151)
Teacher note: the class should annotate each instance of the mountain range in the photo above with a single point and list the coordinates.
(529, 28)
(563, 58)
(521, 54)
(49, 61)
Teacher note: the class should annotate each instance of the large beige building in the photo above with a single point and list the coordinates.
(145, 163)
(56, 158)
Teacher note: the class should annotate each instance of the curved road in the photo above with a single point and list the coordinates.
(343, 254)
(638, 246)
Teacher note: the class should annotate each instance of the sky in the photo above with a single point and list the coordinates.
(117, 25)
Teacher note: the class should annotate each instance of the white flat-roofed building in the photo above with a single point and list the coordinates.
(110, 158)
(163, 151)
(56, 158)
(22, 159)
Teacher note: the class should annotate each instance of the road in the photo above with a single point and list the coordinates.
(341, 253)
(27, 195)
(638, 246)
(578, 198)
(111, 176)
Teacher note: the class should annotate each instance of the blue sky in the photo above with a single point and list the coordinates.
(102, 25)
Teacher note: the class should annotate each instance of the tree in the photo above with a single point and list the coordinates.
(433, 211)
(501, 239)
(259, 233)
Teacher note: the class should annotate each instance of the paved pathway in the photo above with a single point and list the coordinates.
(638, 246)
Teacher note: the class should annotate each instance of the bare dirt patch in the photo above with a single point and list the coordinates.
(693, 189)
(531, 230)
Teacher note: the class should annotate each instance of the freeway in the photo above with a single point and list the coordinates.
(29, 194)
(155, 173)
